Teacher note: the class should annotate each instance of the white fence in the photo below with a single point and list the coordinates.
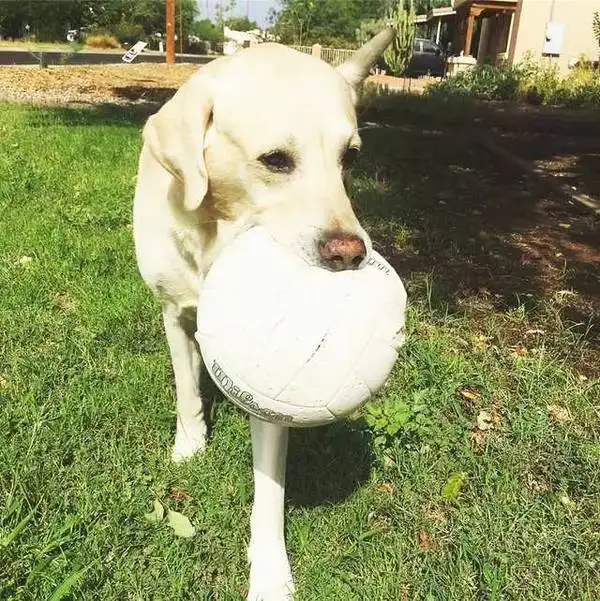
(333, 56)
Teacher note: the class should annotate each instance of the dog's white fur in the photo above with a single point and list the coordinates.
(200, 182)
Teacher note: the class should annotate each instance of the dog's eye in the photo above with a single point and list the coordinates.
(349, 157)
(278, 161)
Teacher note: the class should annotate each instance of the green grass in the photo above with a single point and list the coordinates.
(87, 412)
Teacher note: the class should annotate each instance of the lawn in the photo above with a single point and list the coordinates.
(474, 476)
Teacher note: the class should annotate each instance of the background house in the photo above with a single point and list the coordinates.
(559, 29)
(504, 30)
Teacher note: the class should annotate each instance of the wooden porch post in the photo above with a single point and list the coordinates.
(469, 33)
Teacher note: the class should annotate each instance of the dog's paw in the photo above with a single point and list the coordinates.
(270, 575)
(189, 440)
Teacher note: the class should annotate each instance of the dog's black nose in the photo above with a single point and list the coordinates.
(341, 250)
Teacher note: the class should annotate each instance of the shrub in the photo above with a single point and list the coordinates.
(580, 88)
(129, 33)
(482, 83)
(102, 40)
(530, 81)
(207, 31)
(539, 82)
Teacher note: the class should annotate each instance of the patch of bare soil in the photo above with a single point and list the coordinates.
(493, 238)
(573, 160)
(121, 84)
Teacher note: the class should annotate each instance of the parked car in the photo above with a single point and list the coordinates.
(77, 35)
(428, 59)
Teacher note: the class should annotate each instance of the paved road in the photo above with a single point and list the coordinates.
(23, 57)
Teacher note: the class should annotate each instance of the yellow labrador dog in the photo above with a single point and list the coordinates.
(260, 137)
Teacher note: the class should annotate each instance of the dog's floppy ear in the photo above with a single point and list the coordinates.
(357, 67)
(175, 136)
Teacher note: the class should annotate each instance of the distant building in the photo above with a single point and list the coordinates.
(234, 40)
(505, 30)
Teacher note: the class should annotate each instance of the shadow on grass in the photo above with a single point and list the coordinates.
(145, 94)
(447, 212)
(327, 464)
(93, 115)
(441, 207)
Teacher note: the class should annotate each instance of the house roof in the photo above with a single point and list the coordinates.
(444, 11)
(456, 4)
(435, 13)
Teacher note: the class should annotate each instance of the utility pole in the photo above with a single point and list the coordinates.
(181, 26)
(170, 21)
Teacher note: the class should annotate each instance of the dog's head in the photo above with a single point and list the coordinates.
(264, 137)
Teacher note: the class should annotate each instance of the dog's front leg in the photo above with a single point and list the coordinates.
(190, 436)
(270, 574)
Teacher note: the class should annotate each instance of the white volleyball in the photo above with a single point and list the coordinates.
(291, 342)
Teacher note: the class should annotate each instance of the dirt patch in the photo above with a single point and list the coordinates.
(489, 238)
(574, 160)
(414, 85)
(121, 84)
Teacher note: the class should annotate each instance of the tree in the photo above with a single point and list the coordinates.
(423, 6)
(223, 11)
(323, 21)
(52, 19)
(292, 22)
(207, 31)
(241, 24)
(596, 26)
(398, 54)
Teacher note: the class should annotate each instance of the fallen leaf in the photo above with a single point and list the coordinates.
(424, 541)
(387, 488)
(180, 524)
(518, 350)
(2, 382)
(179, 495)
(565, 226)
(451, 489)
(561, 415)
(24, 260)
(379, 522)
(480, 341)
(157, 514)
(468, 393)
(485, 421)
(535, 331)
(566, 500)
(63, 301)
(477, 437)
(437, 516)
(536, 484)
(388, 461)
(496, 414)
